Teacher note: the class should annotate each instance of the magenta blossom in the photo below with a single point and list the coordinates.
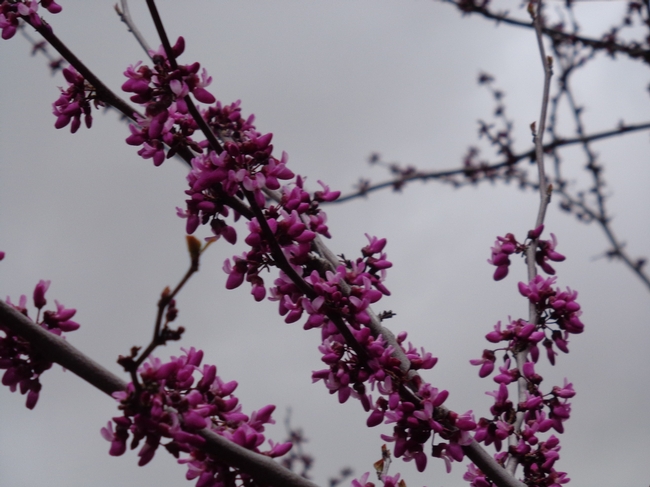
(74, 102)
(23, 364)
(183, 397)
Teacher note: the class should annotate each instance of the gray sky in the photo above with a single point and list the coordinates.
(333, 81)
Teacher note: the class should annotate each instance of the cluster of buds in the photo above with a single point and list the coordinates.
(536, 456)
(11, 13)
(74, 102)
(506, 246)
(557, 316)
(23, 364)
(282, 233)
(162, 90)
(244, 166)
(169, 403)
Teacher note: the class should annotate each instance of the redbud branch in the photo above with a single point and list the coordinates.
(508, 162)
(633, 51)
(617, 246)
(160, 28)
(474, 451)
(165, 299)
(102, 92)
(55, 349)
(125, 16)
(545, 197)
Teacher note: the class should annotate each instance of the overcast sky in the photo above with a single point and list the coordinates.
(334, 81)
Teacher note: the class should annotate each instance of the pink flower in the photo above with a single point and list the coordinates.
(486, 362)
(74, 102)
(503, 248)
(23, 364)
(39, 293)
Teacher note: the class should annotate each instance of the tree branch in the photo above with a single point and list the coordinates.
(54, 348)
(103, 92)
(508, 162)
(544, 199)
(634, 50)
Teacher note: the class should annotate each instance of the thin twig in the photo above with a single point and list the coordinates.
(633, 51)
(102, 91)
(617, 251)
(508, 162)
(544, 199)
(166, 298)
(125, 16)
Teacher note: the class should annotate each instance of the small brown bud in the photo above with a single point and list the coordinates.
(193, 247)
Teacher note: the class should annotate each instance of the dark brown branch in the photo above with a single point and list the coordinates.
(510, 161)
(617, 250)
(60, 351)
(634, 51)
(102, 91)
(203, 125)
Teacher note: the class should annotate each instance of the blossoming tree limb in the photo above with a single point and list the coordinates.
(233, 170)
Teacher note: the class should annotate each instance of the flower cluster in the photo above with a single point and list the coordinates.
(12, 12)
(504, 247)
(246, 165)
(162, 90)
(282, 234)
(170, 403)
(334, 300)
(537, 457)
(22, 363)
(363, 277)
(74, 102)
(75, 99)
(558, 316)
